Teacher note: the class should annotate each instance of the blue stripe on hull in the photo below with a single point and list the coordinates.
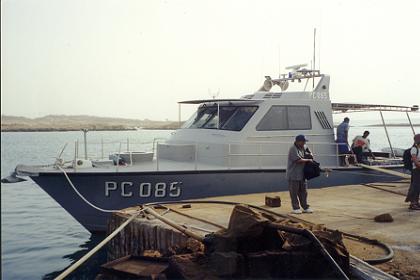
(192, 185)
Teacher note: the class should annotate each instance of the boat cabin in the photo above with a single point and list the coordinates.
(257, 130)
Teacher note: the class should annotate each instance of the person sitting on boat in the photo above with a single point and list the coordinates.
(342, 139)
(295, 176)
(414, 190)
(361, 147)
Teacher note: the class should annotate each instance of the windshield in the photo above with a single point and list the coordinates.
(222, 117)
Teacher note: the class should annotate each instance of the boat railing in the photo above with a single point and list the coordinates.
(102, 149)
(260, 154)
(259, 151)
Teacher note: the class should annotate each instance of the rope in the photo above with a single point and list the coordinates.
(382, 189)
(82, 197)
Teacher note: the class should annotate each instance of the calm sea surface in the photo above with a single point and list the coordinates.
(39, 239)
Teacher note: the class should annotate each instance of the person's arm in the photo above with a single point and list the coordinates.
(368, 145)
(416, 161)
(353, 143)
(346, 133)
(296, 157)
(303, 160)
(414, 158)
(369, 149)
(308, 153)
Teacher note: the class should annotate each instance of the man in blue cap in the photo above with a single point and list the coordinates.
(295, 176)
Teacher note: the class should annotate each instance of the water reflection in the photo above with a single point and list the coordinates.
(90, 268)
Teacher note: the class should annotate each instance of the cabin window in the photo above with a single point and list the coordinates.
(299, 117)
(286, 118)
(239, 118)
(225, 117)
(203, 117)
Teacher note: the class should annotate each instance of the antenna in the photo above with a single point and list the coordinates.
(279, 64)
(319, 52)
(213, 95)
(313, 64)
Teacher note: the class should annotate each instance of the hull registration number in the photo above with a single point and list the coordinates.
(130, 189)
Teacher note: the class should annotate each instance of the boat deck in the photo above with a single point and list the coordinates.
(170, 165)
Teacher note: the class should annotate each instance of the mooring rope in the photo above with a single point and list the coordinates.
(82, 197)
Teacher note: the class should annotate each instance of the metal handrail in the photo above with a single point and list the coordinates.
(269, 155)
(260, 154)
(312, 144)
(291, 135)
(257, 146)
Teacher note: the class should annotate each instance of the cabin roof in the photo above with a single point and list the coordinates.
(199, 101)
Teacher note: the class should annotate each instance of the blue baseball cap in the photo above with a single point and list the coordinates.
(301, 138)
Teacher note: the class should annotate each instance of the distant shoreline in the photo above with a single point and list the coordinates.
(70, 129)
(63, 123)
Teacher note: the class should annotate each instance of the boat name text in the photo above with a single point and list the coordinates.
(319, 95)
(160, 189)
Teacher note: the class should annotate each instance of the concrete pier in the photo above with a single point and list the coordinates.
(347, 208)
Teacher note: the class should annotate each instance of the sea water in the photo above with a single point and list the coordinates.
(39, 239)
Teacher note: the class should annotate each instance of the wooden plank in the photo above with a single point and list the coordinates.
(137, 266)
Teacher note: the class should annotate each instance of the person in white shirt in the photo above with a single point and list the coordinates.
(361, 147)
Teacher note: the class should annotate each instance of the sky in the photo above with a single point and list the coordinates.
(138, 58)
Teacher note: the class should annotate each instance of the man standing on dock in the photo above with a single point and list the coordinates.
(414, 190)
(343, 139)
(295, 176)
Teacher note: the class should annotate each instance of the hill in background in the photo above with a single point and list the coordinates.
(69, 123)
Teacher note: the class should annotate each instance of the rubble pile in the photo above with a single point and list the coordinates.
(254, 245)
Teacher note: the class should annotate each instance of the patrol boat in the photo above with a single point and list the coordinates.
(228, 147)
